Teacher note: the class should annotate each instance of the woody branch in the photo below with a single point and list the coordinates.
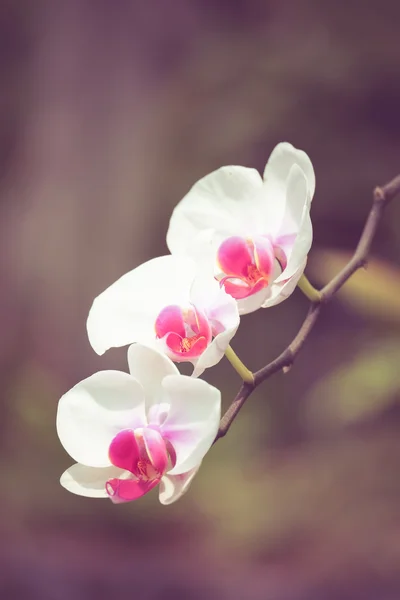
(382, 196)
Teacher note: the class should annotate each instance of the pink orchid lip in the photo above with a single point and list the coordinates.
(246, 264)
(186, 333)
(126, 490)
(143, 454)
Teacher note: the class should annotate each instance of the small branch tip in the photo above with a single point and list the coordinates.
(239, 367)
(379, 195)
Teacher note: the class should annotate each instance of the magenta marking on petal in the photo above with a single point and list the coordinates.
(236, 290)
(196, 321)
(124, 451)
(282, 247)
(156, 450)
(186, 348)
(126, 490)
(264, 256)
(157, 414)
(234, 256)
(186, 335)
(170, 319)
(286, 240)
(239, 291)
(171, 454)
(197, 324)
(174, 342)
(247, 265)
(142, 452)
(281, 258)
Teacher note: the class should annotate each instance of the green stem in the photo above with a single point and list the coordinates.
(239, 367)
(309, 290)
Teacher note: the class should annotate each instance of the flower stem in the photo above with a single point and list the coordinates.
(239, 367)
(309, 290)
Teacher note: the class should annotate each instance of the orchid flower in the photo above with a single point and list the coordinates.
(164, 304)
(132, 432)
(254, 233)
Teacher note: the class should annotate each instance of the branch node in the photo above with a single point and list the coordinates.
(323, 298)
(289, 359)
(379, 195)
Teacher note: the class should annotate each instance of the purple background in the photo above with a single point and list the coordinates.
(110, 111)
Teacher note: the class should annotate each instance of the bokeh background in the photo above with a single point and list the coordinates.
(109, 112)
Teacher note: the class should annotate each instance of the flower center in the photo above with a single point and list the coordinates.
(246, 265)
(185, 332)
(143, 455)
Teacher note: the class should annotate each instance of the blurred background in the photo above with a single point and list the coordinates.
(109, 112)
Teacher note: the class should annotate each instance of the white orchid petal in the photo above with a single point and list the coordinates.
(88, 481)
(215, 351)
(300, 250)
(281, 291)
(253, 302)
(222, 312)
(172, 487)
(282, 159)
(193, 419)
(219, 201)
(220, 308)
(149, 367)
(205, 291)
(203, 249)
(233, 202)
(94, 411)
(126, 311)
(297, 189)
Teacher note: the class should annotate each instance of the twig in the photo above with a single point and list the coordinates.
(381, 198)
(246, 375)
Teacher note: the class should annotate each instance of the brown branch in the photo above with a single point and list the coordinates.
(381, 198)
